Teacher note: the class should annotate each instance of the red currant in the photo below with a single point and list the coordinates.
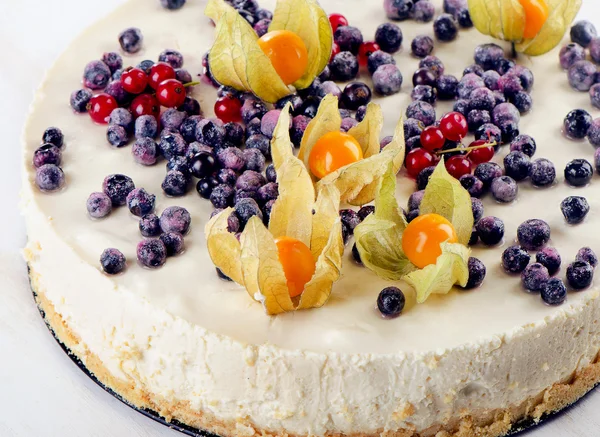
(337, 20)
(171, 93)
(335, 49)
(100, 107)
(432, 138)
(458, 166)
(367, 49)
(145, 104)
(417, 160)
(228, 108)
(454, 126)
(134, 81)
(478, 156)
(160, 72)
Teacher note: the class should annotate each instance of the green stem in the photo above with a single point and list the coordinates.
(466, 149)
(191, 84)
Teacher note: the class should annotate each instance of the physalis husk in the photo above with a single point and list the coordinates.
(237, 60)
(254, 261)
(515, 21)
(357, 182)
(379, 236)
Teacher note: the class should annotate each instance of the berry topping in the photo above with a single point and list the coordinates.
(131, 40)
(297, 262)
(554, 291)
(515, 259)
(112, 261)
(477, 273)
(152, 253)
(534, 277)
(80, 99)
(577, 123)
(504, 189)
(145, 151)
(490, 230)
(445, 27)
(542, 172)
(49, 177)
(549, 258)
(423, 236)
(587, 255)
(98, 205)
(173, 242)
(574, 208)
(389, 37)
(580, 275)
(140, 202)
(578, 172)
(583, 32)
(47, 154)
(175, 219)
(390, 302)
(533, 234)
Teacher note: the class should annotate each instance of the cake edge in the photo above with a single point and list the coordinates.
(555, 398)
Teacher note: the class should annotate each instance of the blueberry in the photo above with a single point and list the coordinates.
(117, 136)
(365, 211)
(53, 135)
(96, 75)
(112, 261)
(445, 27)
(477, 118)
(597, 159)
(152, 253)
(205, 186)
(123, 118)
(171, 57)
(172, 145)
(583, 32)
(253, 127)
(423, 177)
(504, 189)
(145, 65)
(175, 219)
(190, 106)
(504, 66)
(577, 123)
(398, 10)
(575, 208)
(175, 183)
(453, 7)
(389, 37)
(210, 133)
(113, 61)
(348, 38)
(424, 76)
(523, 101)
(117, 187)
(582, 75)
(447, 87)
(203, 164)
(181, 164)
(329, 87)
(255, 160)
(98, 205)
(464, 19)
(172, 4)
(376, 60)
(570, 54)
(356, 94)
(549, 258)
(262, 27)
(554, 291)
(486, 172)
(145, 151)
(421, 111)
(510, 85)
(253, 109)
(250, 181)
(361, 113)
(232, 158)
(116, 90)
(47, 154)
(411, 215)
(414, 201)
(578, 172)
(246, 209)
(594, 49)
(188, 127)
(505, 112)
(172, 119)
(140, 202)
(595, 95)
(500, 98)
(467, 84)
(587, 255)
(174, 243)
(131, 40)
(269, 122)
(515, 259)
(462, 106)
(542, 172)
(491, 80)
(488, 56)
(474, 68)
(347, 124)
(146, 126)
(269, 191)
(482, 98)
(533, 234)
(477, 273)
(80, 99)
(525, 144)
(534, 277)
(413, 143)
(271, 173)
(434, 64)
(390, 302)
(233, 223)
(150, 226)
(474, 238)
(580, 275)
(310, 107)
(356, 254)
(323, 77)
(223, 276)
(260, 143)
(387, 80)
(525, 75)
(312, 89)
(350, 219)
(472, 184)
(423, 11)
(421, 46)
(490, 230)
(412, 127)
(294, 99)
(517, 165)
(477, 209)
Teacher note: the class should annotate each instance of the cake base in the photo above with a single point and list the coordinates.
(553, 403)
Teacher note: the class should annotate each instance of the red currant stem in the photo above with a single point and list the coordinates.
(467, 149)
(191, 84)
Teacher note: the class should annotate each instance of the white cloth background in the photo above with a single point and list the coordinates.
(42, 393)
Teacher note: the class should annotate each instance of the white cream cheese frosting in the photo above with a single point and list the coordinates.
(182, 333)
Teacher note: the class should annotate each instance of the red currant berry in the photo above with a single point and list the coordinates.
(458, 166)
(418, 159)
(478, 156)
(432, 138)
(335, 49)
(171, 93)
(160, 72)
(145, 104)
(228, 108)
(337, 20)
(134, 81)
(454, 126)
(367, 49)
(100, 107)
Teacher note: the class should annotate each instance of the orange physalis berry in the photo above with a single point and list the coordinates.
(298, 263)
(536, 14)
(287, 53)
(333, 151)
(423, 236)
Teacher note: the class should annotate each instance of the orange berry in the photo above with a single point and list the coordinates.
(536, 14)
(287, 53)
(298, 263)
(333, 151)
(423, 236)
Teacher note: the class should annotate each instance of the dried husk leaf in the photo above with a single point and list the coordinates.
(309, 21)
(513, 20)
(487, 17)
(445, 196)
(325, 218)
(224, 249)
(236, 59)
(367, 131)
(562, 14)
(281, 144)
(264, 277)
(379, 237)
(327, 120)
(450, 268)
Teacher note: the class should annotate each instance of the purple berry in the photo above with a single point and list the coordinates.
(175, 219)
(347, 124)
(580, 275)
(355, 94)
(348, 38)
(594, 49)
(577, 123)
(247, 208)
(399, 10)
(377, 59)
(171, 57)
(533, 234)
(477, 208)
(554, 291)
(421, 46)
(587, 255)
(468, 84)
(464, 19)
(113, 61)
(150, 226)
(98, 205)
(477, 273)
(447, 87)
(117, 136)
(145, 66)
(115, 89)
(152, 253)
(172, 119)
(117, 187)
(477, 118)
(269, 122)
(47, 154)
(172, 145)
(488, 56)
(491, 80)
(445, 28)
(262, 27)
(542, 172)
(96, 75)
(391, 301)
(488, 171)
(424, 76)
(534, 277)
(472, 184)
(255, 160)
(549, 258)
(423, 11)
(525, 144)
(583, 32)
(522, 101)
(145, 151)
(146, 126)
(80, 99)
(490, 230)
(412, 127)
(421, 111)
(424, 93)
(570, 54)
(174, 243)
(250, 181)
(112, 261)
(299, 125)
(172, 4)
(475, 69)
(365, 211)
(267, 192)
(253, 109)
(504, 189)
(232, 158)
(578, 172)
(53, 135)
(582, 75)
(389, 37)
(121, 117)
(517, 165)
(210, 133)
(434, 64)
(140, 202)
(258, 142)
(414, 201)
(575, 209)
(295, 99)
(423, 177)
(344, 66)
(505, 112)
(515, 259)
(482, 98)
(329, 87)
(175, 184)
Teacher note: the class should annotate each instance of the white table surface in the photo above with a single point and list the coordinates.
(42, 393)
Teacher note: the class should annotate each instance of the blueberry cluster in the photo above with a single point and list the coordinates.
(259, 18)
(579, 124)
(47, 160)
(582, 74)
